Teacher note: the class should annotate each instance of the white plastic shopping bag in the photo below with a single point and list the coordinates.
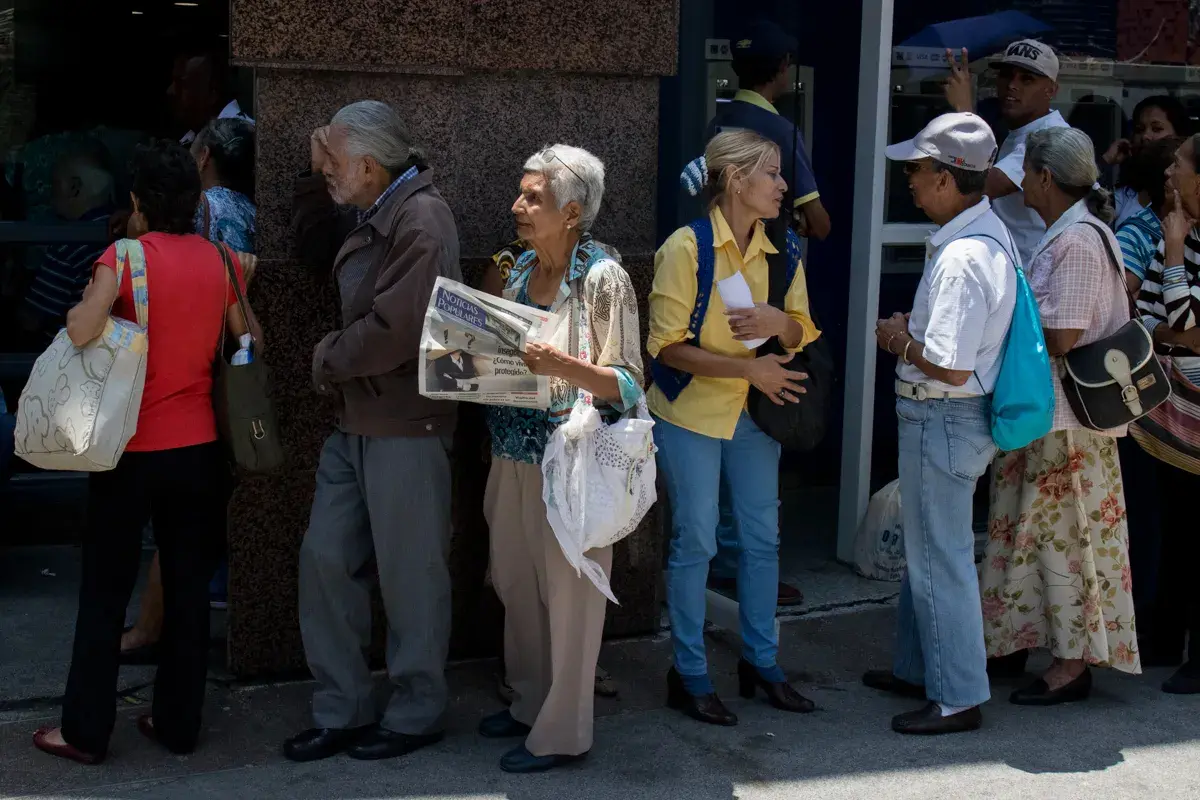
(879, 548)
(598, 482)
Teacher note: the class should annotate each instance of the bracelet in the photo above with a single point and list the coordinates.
(888, 344)
(904, 356)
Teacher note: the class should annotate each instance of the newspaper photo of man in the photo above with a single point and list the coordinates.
(455, 372)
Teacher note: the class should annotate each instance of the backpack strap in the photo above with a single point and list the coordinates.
(1011, 256)
(670, 381)
(705, 272)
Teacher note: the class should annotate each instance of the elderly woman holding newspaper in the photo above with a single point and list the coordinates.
(554, 616)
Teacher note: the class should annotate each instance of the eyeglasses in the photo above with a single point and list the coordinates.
(550, 155)
(913, 167)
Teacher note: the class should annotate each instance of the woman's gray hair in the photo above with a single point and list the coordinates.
(574, 175)
(1070, 156)
(374, 129)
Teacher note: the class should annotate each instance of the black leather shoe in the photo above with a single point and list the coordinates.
(380, 743)
(1009, 666)
(706, 708)
(885, 681)
(929, 721)
(781, 695)
(1186, 680)
(1038, 693)
(318, 743)
(520, 760)
(502, 726)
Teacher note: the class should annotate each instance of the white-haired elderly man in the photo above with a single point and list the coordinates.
(369, 211)
(554, 617)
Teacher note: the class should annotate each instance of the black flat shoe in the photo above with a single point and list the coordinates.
(380, 743)
(520, 761)
(502, 726)
(781, 695)
(885, 681)
(318, 743)
(1039, 693)
(1186, 680)
(928, 721)
(706, 708)
(1009, 666)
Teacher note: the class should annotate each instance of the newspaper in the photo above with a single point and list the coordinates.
(472, 344)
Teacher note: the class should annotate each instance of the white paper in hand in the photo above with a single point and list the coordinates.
(735, 294)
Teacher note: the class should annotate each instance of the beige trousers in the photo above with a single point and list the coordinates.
(553, 620)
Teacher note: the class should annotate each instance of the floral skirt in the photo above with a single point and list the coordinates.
(1056, 574)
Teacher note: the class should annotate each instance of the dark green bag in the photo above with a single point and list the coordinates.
(242, 399)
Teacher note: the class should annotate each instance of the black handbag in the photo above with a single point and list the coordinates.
(797, 426)
(245, 414)
(1118, 379)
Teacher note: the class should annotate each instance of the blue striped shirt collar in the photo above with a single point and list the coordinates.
(408, 175)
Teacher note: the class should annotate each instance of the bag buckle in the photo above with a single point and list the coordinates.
(257, 430)
(1129, 394)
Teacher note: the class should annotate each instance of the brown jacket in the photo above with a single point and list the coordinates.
(371, 365)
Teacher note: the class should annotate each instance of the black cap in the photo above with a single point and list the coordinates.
(764, 39)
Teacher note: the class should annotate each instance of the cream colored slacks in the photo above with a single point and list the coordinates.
(553, 620)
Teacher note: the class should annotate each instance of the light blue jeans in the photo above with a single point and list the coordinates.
(945, 447)
(725, 562)
(693, 466)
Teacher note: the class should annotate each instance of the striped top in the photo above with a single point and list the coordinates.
(1171, 296)
(1139, 236)
(60, 279)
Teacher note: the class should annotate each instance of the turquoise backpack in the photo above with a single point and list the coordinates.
(1023, 400)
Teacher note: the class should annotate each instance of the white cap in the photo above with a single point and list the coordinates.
(959, 140)
(1031, 55)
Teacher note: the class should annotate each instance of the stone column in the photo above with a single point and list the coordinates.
(482, 84)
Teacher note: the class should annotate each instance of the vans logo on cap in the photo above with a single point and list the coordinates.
(1024, 50)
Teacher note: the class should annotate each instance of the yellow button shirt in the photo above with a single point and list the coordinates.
(712, 406)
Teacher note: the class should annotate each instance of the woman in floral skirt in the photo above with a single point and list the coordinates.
(1056, 574)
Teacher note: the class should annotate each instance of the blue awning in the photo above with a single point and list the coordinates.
(982, 36)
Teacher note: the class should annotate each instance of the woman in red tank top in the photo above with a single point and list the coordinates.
(172, 474)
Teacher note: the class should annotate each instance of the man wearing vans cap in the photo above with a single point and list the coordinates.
(949, 350)
(1026, 84)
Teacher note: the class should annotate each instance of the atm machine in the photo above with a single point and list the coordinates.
(722, 85)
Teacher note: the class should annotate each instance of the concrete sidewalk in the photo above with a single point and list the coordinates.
(1128, 740)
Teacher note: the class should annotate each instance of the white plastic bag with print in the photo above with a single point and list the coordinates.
(879, 548)
(598, 482)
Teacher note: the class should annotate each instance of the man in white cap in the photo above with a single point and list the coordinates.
(1026, 84)
(949, 349)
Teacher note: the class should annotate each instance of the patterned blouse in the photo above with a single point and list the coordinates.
(230, 219)
(1078, 287)
(608, 317)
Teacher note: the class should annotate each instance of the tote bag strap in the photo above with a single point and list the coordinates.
(131, 253)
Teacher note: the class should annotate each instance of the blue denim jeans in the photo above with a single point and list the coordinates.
(694, 466)
(725, 562)
(945, 447)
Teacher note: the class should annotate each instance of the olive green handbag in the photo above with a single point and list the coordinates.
(242, 398)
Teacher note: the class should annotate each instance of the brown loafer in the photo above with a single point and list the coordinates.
(928, 721)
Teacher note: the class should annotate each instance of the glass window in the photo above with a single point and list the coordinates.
(81, 85)
(1113, 55)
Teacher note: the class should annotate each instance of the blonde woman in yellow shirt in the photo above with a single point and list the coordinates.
(704, 430)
